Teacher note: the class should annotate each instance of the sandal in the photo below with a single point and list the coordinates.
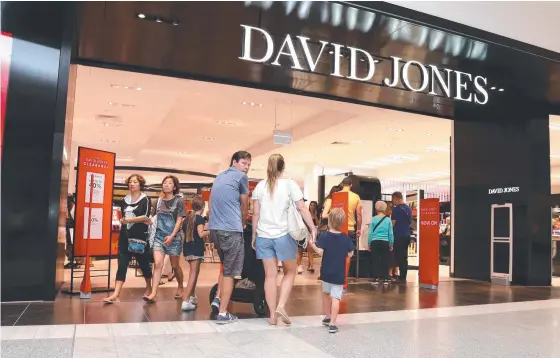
(110, 300)
(179, 296)
(171, 277)
(273, 322)
(283, 315)
(149, 300)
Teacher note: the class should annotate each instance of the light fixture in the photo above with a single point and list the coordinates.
(331, 52)
(429, 134)
(184, 153)
(252, 104)
(227, 123)
(492, 88)
(141, 16)
(127, 87)
(175, 23)
(158, 20)
(120, 104)
(395, 129)
(501, 90)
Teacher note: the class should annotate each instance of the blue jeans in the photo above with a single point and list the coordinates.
(283, 248)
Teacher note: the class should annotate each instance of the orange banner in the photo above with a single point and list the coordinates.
(100, 165)
(428, 266)
(340, 200)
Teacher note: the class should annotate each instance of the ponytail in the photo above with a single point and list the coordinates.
(197, 205)
(275, 167)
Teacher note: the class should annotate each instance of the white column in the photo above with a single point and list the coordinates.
(311, 181)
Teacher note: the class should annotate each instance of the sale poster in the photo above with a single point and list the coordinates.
(428, 265)
(98, 187)
(96, 222)
(96, 196)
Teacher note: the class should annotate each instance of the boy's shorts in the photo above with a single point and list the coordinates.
(335, 291)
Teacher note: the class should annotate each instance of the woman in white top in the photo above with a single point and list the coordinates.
(271, 199)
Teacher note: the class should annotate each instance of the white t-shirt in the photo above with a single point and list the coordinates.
(273, 219)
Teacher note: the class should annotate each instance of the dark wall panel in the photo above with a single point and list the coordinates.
(33, 148)
(504, 144)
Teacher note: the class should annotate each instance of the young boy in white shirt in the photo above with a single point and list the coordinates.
(334, 247)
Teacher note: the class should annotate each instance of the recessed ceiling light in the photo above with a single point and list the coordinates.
(501, 90)
(141, 16)
(227, 123)
(492, 88)
(159, 20)
(120, 104)
(252, 104)
(395, 129)
(331, 52)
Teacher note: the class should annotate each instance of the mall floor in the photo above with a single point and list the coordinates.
(461, 318)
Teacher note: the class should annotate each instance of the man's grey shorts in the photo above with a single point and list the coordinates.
(231, 249)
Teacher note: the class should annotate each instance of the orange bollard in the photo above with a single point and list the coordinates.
(85, 286)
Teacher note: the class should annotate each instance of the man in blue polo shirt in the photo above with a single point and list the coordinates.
(229, 204)
(401, 217)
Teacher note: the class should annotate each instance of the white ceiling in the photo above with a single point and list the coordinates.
(196, 126)
(533, 22)
(173, 123)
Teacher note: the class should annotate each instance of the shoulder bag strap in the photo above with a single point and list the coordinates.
(406, 212)
(377, 225)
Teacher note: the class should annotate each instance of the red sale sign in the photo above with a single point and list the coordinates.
(428, 267)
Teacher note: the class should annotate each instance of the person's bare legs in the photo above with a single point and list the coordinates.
(335, 305)
(148, 287)
(270, 286)
(115, 295)
(194, 270)
(178, 271)
(159, 256)
(290, 268)
(225, 293)
(327, 304)
(310, 258)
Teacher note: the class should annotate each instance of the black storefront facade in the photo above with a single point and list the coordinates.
(498, 92)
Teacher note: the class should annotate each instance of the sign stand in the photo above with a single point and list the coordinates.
(96, 173)
(428, 252)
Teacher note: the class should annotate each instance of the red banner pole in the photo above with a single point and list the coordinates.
(85, 287)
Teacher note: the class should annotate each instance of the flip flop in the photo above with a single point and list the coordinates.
(149, 300)
(110, 300)
(283, 316)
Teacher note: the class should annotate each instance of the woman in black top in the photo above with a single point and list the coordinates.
(135, 210)
(193, 249)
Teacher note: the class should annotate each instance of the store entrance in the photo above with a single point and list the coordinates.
(160, 126)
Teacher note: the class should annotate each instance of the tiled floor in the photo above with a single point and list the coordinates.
(304, 301)
(521, 329)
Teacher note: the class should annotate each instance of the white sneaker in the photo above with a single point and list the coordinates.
(188, 306)
(194, 300)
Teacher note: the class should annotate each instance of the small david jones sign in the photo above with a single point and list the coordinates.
(511, 189)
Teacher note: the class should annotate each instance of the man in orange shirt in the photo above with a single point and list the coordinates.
(354, 211)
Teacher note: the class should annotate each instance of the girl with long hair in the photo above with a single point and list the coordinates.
(170, 212)
(271, 239)
(193, 249)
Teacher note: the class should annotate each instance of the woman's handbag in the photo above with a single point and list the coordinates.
(296, 226)
(136, 246)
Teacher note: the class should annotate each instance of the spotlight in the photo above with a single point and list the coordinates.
(141, 16)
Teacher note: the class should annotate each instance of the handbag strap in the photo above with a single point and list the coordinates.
(377, 225)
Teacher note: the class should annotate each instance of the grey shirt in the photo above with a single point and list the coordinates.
(225, 204)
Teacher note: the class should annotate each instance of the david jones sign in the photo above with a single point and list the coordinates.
(511, 189)
(430, 75)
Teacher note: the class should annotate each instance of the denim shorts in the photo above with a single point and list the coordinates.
(335, 291)
(283, 248)
(173, 249)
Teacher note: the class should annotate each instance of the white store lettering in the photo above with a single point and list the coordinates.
(468, 88)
